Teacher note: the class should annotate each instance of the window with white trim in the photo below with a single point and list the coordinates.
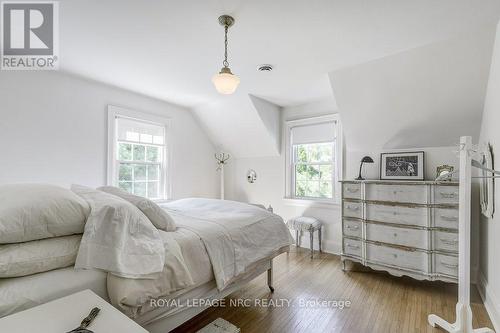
(314, 158)
(138, 151)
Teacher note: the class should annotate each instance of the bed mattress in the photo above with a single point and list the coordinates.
(21, 293)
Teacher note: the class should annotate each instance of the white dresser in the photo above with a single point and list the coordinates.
(402, 227)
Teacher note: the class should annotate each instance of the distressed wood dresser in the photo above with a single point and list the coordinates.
(402, 227)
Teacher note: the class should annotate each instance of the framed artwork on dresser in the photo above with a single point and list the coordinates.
(402, 166)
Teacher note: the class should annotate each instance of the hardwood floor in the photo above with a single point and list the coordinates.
(379, 301)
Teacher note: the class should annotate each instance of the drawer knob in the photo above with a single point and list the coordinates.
(353, 227)
(448, 195)
(445, 264)
(394, 255)
(448, 218)
(395, 234)
(449, 241)
(355, 208)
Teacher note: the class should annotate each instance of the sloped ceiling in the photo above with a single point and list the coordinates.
(424, 97)
(170, 50)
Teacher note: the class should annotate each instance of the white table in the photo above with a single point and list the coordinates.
(65, 314)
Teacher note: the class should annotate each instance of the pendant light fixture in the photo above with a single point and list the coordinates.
(225, 82)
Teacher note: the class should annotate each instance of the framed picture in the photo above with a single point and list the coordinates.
(402, 166)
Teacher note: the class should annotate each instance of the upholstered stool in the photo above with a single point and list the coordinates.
(304, 223)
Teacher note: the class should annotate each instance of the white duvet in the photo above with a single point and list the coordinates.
(234, 235)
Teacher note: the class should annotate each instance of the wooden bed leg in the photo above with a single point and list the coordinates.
(270, 277)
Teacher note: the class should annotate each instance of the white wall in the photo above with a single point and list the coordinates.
(53, 128)
(489, 276)
(270, 185)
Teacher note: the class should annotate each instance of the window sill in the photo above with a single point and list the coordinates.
(313, 203)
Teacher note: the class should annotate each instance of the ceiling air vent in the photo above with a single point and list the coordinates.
(265, 68)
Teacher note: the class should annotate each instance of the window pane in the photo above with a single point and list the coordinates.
(157, 139)
(124, 151)
(153, 172)
(312, 189)
(139, 153)
(126, 186)
(146, 138)
(300, 188)
(139, 172)
(325, 189)
(140, 188)
(313, 172)
(301, 151)
(152, 154)
(153, 189)
(301, 172)
(326, 172)
(125, 172)
(132, 136)
(325, 152)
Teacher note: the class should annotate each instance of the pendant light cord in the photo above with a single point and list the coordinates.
(225, 62)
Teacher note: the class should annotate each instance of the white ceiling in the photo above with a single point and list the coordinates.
(171, 49)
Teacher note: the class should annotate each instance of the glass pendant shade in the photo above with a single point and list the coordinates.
(226, 82)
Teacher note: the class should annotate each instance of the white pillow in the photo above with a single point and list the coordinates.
(118, 237)
(38, 211)
(38, 256)
(155, 214)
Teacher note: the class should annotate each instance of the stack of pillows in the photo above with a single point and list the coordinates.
(41, 225)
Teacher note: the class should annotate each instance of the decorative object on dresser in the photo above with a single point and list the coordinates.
(402, 227)
(402, 166)
(366, 159)
(305, 223)
(487, 186)
(443, 171)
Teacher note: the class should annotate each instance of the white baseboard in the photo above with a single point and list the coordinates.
(490, 300)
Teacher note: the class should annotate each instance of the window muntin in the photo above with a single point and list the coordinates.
(314, 170)
(140, 157)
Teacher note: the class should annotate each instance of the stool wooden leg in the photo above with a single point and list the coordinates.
(297, 238)
(311, 234)
(319, 236)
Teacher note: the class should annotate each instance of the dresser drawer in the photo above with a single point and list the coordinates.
(447, 265)
(396, 193)
(445, 241)
(352, 228)
(414, 260)
(352, 247)
(351, 191)
(445, 194)
(446, 218)
(352, 209)
(397, 214)
(398, 236)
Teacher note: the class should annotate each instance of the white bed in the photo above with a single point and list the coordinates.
(206, 229)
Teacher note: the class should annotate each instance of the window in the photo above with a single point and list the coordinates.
(138, 148)
(313, 158)
(313, 166)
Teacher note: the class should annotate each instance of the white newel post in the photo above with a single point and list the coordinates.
(221, 159)
(463, 322)
(222, 182)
